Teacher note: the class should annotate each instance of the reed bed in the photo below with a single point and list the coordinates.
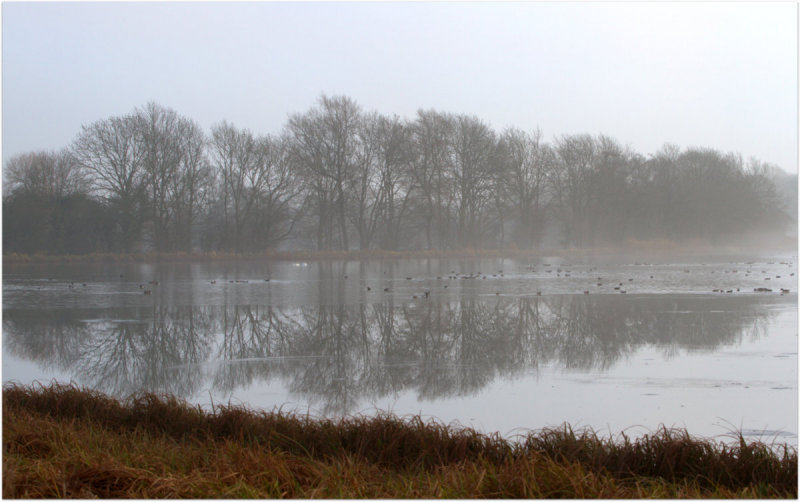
(65, 441)
(275, 255)
(650, 248)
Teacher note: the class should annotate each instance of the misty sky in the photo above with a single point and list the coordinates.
(717, 74)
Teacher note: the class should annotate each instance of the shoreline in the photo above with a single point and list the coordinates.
(633, 249)
(65, 441)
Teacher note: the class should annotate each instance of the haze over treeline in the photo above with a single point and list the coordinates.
(339, 177)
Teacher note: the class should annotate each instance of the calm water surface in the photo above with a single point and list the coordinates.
(499, 345)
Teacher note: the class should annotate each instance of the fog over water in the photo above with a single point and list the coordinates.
(471, 341)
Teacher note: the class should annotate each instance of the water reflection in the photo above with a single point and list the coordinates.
(336, 356)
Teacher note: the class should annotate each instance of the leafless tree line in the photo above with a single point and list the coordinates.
(338, 177)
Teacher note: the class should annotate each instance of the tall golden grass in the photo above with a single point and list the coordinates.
(64, 441)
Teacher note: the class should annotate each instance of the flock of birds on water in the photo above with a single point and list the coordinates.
(565, 272)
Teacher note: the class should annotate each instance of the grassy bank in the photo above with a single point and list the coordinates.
(61, 441)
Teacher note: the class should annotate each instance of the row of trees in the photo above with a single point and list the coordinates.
(337, 177)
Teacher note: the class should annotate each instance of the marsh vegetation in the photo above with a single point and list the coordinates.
(62, 441)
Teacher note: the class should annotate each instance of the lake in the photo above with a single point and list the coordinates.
(499, 345)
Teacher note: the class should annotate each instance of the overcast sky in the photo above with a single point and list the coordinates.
(717, 74)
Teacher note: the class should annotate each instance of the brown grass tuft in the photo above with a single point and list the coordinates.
(63, 441)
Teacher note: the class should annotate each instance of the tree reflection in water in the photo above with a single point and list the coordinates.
(336, 356)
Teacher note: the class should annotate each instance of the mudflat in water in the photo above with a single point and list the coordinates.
(499, 345)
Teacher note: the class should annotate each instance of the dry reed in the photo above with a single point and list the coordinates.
(63, 441)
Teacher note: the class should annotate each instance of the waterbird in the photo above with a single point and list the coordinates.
(147, 291)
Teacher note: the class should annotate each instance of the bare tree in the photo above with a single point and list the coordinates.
(432, 175)
(571, 183)
(273, 188)
(159, 133)
(235, 154)
(55, 174)
(323, 145)
(394, 163)
(47, 205)
(362, 185)
(191, 185)
(529, 162)
(473, 144)
(109, 150)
